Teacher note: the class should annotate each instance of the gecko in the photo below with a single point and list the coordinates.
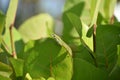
(62, 43)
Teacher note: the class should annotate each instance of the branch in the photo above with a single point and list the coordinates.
(12, 42)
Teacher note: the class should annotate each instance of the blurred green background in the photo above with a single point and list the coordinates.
(28, 8)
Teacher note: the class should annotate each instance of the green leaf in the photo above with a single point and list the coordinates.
(69, 33)
(115, 73)
(17, 65)
(10, 18)
(76, 22)
(90, 31)
(28, 77)
(39, 26)
(3, 57)
(95, 6)
(2, 23)
(107, 39)
(82, 29)
(5, 70)
(6, 37)
(50, 78)
(80, 8)
(107, 8)
(48, 59)
(19, 45)
(11, 12)
(86, 71)
(4, 78)
(84, 54)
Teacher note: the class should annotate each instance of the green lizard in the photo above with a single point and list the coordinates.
(62, 43)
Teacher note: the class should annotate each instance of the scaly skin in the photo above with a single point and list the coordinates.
(62, 43)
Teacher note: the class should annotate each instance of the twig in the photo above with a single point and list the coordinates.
(94, 38)
(94, 41)
(12, 42)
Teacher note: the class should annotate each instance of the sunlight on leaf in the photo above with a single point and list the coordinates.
(95, 6)
(39, 26)
(2, 24)
(5, 70)
(11, 12)
(107, 8)
(82, 29)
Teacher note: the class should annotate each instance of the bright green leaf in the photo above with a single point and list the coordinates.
(51, 78)
(4, 78)
(5, 70)
(69, 33)
(39, 26)
(95, 6)
(11, 12)
(107, 8)
(80, 8)
(47, 58)
(76, 22)
(17, 65)
(82, 29)
(6, 37)
(28, 77)
(2, 23)
(10, 18)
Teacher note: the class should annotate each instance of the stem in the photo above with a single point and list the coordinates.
(94, 42)
(12, 42)
(94, 38)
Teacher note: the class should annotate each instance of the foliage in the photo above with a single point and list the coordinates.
(89, 48)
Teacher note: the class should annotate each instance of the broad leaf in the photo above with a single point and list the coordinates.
(17, 65)
(107, 8)
(115, 73)
(76, 22)
(11, 12)
(48, 59)
(50, 78)
(69, 33)
(86, 71)
(81, 28)
(80, 8)
(5, 70)
(6, 37)
(107, 39)
(4, 78)
(10, 17)
(2, 24)
(39, 26)
(95, 6)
